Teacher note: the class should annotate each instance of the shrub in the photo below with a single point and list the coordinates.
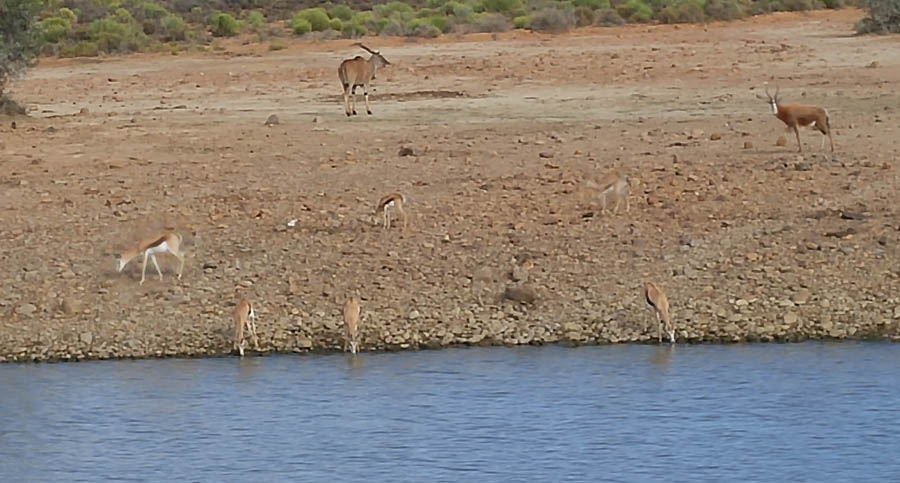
(459, 10)
(20, 37)
(117, 33)
(490, 22)
(725, 9)
(354, 30)
(684, 11)
(635, 11)
(522, 22)
(317, 18)
(502, 6)
(173, 27)
(591, 4)
(277, 45)
(67, 14)
(392, 26)
(153, 11)
(884, 17)
(552, 20)
(342, 12)
(336, 24)
(85, 48)
(300, 26)
(224, 25)
(584, 16)
(799, 5)
(607, 17)
(256, 19)
(441, 22)
(426, 30)
(362, 18)
(55, 29)
(390, 9)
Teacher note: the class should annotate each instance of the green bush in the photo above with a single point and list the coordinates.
(362, 18)
(884, 17)
(390, 9)
(502, 6)
(85, 48)
(300, 26)
(725, 9)
(682, 11)
(635, 11)
(354, 30)
(459, 10)
(55, 29)
(426, 30)
(552, 20)
(591, 4)
(20, 37)
(490, 22)
(342, 12)
(67, 14)
(440, 22)
(317, 18)
(224, 25)
(256, 19)
(173, 27)
(584, 16)
(116, 33)
(153, 11)
(336, 24)
(608, 17)
(522, 22)
(392, 26)
(800, 5)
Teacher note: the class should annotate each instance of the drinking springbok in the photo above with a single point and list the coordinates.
(244, 317)
(164, 242)
(359, 72)
(658, 302)
(351, 324)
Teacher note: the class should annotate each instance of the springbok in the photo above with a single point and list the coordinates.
(387, 204)
(616, 186)
(658, 302)
(351, 324)
(795, 116)
(244, 317)
(359, 72)
(164, 242)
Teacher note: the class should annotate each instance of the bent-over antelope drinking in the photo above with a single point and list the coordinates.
(351, 324)
(164, 242)
(658, 302)
(244, 317)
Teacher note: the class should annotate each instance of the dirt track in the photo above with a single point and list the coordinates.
(756, 243)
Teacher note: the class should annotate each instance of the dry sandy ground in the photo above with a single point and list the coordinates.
(752, 243)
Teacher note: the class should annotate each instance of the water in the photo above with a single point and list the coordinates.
(775, 412)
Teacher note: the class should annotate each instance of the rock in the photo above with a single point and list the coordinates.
(272, 120)
(304, 343)
(26, 309)
(801, 296)
(790, 318)
(414, 314)
(545, 155)
(71, 305)
(715, 137)
(520, 293)
(86, 338)
(748, 145)
(781, 141)
(406, 151)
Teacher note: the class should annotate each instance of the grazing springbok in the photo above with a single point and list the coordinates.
(658, 302)
(244, 317)
(351, 324)
(389, 203)
(795, 116)
(359, 72)
(164, 242)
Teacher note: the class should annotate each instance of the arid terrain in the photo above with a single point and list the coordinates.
(751, 240)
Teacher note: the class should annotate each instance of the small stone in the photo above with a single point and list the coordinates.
(304, 343)
(781, 141)
(272, 120)
(414, 314)
(801, 296)
(790, 318)
(26, 309)
(406, 151)
(70, 306)
(545, 155)
(748, 145)
(86, 338)
(715, 136)
(520, 293)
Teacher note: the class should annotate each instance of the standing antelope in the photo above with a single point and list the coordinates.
(359, 72)
(387, 204)
(616, 186)
(244, 316)
(658, 302)
(795, 116)
(164, 242)
(351, 324)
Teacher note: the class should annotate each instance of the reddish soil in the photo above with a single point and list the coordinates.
(751, 240)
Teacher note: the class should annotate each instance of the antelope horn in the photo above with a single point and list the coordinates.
(359, 44)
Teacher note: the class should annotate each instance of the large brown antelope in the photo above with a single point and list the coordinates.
(795, 116)
(244, 317)
(359, 72)
(351, 324)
